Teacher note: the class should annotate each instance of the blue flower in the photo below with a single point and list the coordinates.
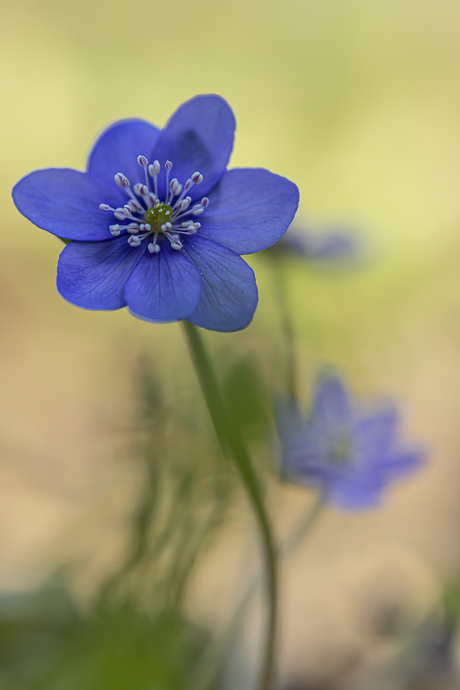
(349, 453)
(158, 224)
(334, 245)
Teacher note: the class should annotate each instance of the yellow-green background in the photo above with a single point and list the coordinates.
(358, 102)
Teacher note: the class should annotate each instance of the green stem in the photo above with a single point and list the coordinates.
(208, 666)
(302, 527)
(286, 326)
(233, 446)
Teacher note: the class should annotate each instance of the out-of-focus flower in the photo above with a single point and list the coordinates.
(333, 246)
(348, 452)
(158, 224)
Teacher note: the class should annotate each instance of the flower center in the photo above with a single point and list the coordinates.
(151, 217)
(158, 215)
(341, 448)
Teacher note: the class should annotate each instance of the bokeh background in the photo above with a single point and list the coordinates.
(358, 102)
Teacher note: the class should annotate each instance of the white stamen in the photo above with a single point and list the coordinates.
(135, 206)
(174, 187)
(134, 241)
(185, 203)
(121, 180)
(154, 171)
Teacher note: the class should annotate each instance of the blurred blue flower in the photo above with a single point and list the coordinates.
(331, 246)
(158, 224)
(348, 452)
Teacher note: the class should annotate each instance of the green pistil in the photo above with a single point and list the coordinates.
(158, 215)
(342, 448)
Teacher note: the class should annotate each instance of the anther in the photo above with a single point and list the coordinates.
(177, 244)
(197, 178)
(186, 223)
(121, 180)
(134, 241)
(155, 168)
(174, 186)
(138, 188)
(168, 165)
(142, 160)
(105, 207)
(114, 230)
(133, 205)
(204, 201)
(185, 203)
(153, 248)
(197, 211)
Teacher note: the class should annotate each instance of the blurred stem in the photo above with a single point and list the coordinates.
(234, 447)
(302, 527)
(286, 325)
(209, 665)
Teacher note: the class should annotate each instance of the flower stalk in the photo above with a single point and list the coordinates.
(286, 327)
(233, 446)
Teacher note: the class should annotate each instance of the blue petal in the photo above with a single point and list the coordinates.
(118, 147)
(374, 434)
(163, 287)
(66, 202)
(355, 494)
(198, 137)
(401, 464)
(249, 210)
(332, 407)
(92, 275)
(229, 291)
